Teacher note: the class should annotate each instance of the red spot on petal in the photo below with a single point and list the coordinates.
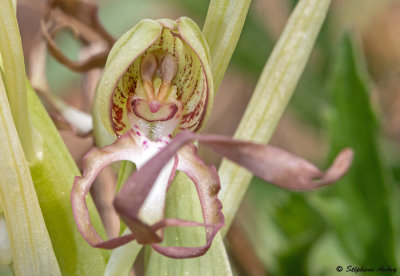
(154, 106)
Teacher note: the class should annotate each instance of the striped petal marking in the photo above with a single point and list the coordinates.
(165, 83)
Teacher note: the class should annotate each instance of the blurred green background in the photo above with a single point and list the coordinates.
(348, 96)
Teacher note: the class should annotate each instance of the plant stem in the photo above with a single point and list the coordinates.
(272, 94)
(224, 23)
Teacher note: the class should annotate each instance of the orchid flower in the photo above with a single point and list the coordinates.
(155, 95)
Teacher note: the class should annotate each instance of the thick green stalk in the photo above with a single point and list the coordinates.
(272, 93)
(14, 71)
(122, 258)
(224, 23)
(32, 250)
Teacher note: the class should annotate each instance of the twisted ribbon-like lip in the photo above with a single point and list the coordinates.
(269, 163)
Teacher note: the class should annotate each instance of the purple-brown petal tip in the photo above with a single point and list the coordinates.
(277, 166)
(339, 167)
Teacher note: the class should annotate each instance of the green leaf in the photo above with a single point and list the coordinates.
(182, 202)
(53, 176)
(326, 255)
(14, 82)
(285, 223)
(359, 208)
(32, 250)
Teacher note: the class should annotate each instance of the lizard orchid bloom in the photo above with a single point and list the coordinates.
(155, 94)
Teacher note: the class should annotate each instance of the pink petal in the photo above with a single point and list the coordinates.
(207, 184)
(94, 161)
(273, 164)
(269, 163)
(278, 166)
(125, 148)
(136, 189)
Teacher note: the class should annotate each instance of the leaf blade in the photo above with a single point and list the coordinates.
(53, 177)
(367, 191)
(30, 242)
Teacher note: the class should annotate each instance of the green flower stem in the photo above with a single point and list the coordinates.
(32, 250)
(224, 23)
(272, 93)
(122, 258)
(14, 71)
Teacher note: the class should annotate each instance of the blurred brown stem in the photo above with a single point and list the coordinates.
(243, 252)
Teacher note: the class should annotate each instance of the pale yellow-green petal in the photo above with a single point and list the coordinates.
(192, 35)
(192, 84)
(132, 45)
